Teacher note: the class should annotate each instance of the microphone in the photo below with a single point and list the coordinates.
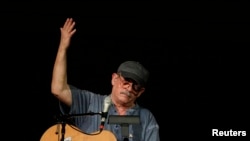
(106, 105)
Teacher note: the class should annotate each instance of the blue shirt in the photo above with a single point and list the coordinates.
(84, 101)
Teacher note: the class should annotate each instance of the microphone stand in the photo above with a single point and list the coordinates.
(64, 118)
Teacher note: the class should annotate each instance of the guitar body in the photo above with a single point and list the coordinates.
(71, 134)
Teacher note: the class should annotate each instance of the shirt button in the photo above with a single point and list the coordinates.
(130, 135)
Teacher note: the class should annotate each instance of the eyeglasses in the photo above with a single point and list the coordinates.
(128, 81)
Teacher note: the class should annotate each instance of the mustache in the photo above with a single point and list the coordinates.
(126, 93)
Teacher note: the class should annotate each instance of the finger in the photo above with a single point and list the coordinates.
(68, 23)
(71, 26)
(72, 32)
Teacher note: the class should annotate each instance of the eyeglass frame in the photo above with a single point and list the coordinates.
(135, 86)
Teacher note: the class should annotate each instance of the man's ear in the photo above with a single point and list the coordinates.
(114, 78)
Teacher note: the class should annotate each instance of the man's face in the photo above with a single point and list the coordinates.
(124, 89)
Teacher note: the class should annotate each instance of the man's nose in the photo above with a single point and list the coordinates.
(128, 86)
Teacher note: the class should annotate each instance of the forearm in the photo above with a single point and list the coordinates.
(59, 75)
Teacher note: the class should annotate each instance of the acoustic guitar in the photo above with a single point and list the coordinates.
(72, 133)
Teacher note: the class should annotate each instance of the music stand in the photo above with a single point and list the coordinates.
(124, 121)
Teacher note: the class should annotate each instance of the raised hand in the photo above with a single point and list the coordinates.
(67, 31)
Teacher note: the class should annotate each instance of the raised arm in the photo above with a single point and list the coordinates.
(59, 85)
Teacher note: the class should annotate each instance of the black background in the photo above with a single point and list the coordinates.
(196, 54)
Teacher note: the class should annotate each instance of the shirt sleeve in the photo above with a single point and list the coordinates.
(80, 101)
(84, 102)
(150, 126)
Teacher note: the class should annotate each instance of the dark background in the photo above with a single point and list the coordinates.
(196, 53)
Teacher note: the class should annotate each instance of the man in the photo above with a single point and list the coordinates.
(128, 83)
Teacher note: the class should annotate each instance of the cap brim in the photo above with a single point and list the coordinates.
(137, 79)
